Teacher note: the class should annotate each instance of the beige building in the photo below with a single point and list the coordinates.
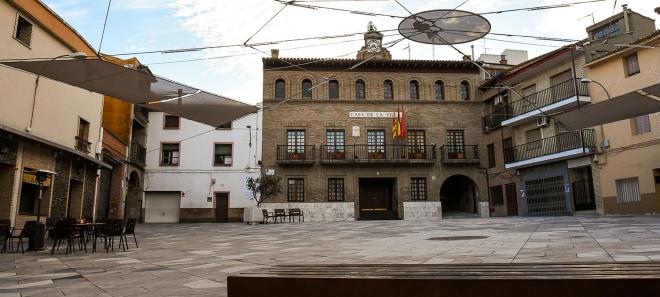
(629, 162)
(328, 134)
(45, 124)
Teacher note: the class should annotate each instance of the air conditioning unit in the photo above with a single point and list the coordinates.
(542, 121)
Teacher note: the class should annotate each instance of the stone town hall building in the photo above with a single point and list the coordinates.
(328, 135)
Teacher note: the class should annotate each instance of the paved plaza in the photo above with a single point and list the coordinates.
(195, 259)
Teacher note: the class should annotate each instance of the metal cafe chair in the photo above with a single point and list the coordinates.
(25, 233)
(130, 230)
(5, 233)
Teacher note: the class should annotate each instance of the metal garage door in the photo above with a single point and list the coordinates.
(162, 207)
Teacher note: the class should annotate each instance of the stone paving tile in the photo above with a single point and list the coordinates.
(195, 259)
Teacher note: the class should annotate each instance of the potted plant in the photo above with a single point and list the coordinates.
(262, 187)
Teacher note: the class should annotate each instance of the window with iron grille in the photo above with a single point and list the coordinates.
(641, 124)
(280, 89)
(171, 122)
(496, 196)
(627, 190)
(360, 89)
(376, 141)
(169, 154)
(455, 141)
(333, 89)
(632, 64)
(439, 90)
(414, 90)
(491, 155)
(417, 140)
(222, 154)
(296, 189)
(295, 141)
(335, 189)
(388, 89)
(307, 89)
(418, 188)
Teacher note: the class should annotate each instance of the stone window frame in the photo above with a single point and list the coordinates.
(444, 90)
(419, 188)
(364, 83)
(275, 92)
(289, 185)
(341, 195)
(311, 88)
(393, 91)
(330, 82)
(469, 90)
(418, 87)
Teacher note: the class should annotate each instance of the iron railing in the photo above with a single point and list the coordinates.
(584, 139)
(545, 97)
(495, 119)
(140, 113)
(459, 154)
(137, 154)
(296, 154)
(83, 145)
(378, 153)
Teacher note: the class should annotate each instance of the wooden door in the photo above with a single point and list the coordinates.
(222, 207)
(375, 194)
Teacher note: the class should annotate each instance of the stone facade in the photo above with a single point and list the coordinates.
(315, 212)
(422, 210)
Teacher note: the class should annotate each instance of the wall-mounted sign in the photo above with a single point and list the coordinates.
(371, 114)
(356, 131)
(270, 171)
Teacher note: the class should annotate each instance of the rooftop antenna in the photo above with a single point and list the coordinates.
(593, 21)
(408, 48)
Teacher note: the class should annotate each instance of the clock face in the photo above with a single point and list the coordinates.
(373, 46)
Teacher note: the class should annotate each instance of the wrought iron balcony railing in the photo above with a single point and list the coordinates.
(545, 97)
(582, 139)
(460, 154)
(140, 113)
(83, 145)
(494, 120)
(296, 154)
(378, 153)
(138, 154)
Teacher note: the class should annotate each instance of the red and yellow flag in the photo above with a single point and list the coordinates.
(402, 124)
(396, 125)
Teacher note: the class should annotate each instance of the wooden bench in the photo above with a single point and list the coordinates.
(450, 280)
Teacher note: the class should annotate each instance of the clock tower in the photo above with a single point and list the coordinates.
(373, 45)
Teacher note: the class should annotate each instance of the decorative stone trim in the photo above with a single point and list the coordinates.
(422, 210)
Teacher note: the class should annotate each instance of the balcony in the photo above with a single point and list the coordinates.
(83, 145)
(562, 146)
(296, 154)
(141, 114)
(390, 153)
(460, 154)
(137, 154)
(494, 120)
(559, 97)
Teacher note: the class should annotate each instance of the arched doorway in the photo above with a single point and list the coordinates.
(458, 194)
(133, 196)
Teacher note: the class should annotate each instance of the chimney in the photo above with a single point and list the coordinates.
(467, 58)
(275, 53)
(503, 60)
(626, 21)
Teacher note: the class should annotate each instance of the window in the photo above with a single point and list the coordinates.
(455, 140)
(307, 89)
(464, 92)
(631, 64)
(414, 90)
(388, 89)
(335, 189)
(491, 155)
(360, 89)
(295, 141)
(333, 89)
(169, 154)
(82, 143)
(496, 196)
(627, 190)
(561, 77)
(507, 144)
(23, 31)
(417, 141)
(296, 189)
(608, 30)
(376, 141)
(171, 122)
(533, 138)
(280, 89)
(222, 155)
(439, 90)
(418, 188)
(335, 141)
(224, 126)
(641, 125)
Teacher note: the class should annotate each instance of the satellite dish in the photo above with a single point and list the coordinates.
(444, 26)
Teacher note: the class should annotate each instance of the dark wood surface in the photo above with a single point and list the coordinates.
(448, 280)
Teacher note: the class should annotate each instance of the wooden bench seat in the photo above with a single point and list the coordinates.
(449, 280)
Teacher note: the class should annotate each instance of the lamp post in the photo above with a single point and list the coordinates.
(588, 80)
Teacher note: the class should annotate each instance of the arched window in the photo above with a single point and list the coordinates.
(439, 90)
(414, 89)
(307, 89)
(360, 89)
(280, 89)
(464, 92)
(388, 89)
(333, 89)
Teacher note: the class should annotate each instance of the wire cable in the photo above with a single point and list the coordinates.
(105, 22)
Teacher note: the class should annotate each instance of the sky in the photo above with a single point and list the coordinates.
(145, 25)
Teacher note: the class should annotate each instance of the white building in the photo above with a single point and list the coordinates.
(197, 173)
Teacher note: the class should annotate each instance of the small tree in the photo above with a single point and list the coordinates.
(264, 187)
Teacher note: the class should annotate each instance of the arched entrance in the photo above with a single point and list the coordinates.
(133, 196)
(458, 194)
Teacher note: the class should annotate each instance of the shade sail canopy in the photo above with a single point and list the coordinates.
(619, 108)
(139, 87)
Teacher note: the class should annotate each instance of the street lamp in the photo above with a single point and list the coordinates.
(588, 80)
